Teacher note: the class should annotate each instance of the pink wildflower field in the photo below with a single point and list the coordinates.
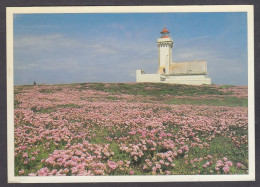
(130, 129)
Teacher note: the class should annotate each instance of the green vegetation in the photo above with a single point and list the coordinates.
(132, 131)
(16, 103)
(221, 146)
(35, 165)
(226, 101)
(226, 86)
(53, 109)
(71, 105)
(153, 89)
(46, 90)
(43, 110)
(158, 90)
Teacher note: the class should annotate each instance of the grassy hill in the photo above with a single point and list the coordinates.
(130, 129)
(223, 95)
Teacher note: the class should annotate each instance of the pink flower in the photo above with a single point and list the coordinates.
(209, 156)
(225, 168)
(74, 170)
(21, 172)
(229, 163)
(54, 171)
(131, 172)
(66, 170)
(132, 132)
(239, 165)
(161, 162)
(170, 159)
(43, 172)
(112, 165)
(25, 155)
(219, 163)
(124, 123)
(98, 172)
(186, 148)
(158, 166)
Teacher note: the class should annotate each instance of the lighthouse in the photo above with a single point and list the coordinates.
(186, 72)
(165, 44)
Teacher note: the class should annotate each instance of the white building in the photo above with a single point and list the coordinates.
(194, 72)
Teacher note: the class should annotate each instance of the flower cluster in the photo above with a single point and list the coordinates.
(68, 130)
(223, 165)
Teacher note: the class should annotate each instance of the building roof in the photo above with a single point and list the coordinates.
(165, 30)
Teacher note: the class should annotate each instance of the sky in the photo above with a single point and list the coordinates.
(95, 47)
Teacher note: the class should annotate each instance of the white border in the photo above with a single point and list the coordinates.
(10, 11)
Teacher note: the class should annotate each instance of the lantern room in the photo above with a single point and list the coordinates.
(165, 33)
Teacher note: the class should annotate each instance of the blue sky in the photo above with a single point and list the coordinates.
(70, 48)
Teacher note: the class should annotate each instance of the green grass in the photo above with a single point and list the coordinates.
(112, 98)
(46, 91)
(50, 90)
(101, 134)
(16, 103)
(226, 86)
(220, 147)
(43, 110)
(35, 165)
(153, 89)
(71, 105)
(227, 101)
(53, 109)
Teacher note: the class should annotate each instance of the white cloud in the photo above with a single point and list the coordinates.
(47, 42)
(192, 53)
(110, 58)
(196, 39)
(105, 59)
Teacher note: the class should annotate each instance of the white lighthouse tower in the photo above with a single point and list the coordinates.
(187, 72)
(165, 44)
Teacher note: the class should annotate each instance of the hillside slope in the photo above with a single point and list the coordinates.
(130, 129)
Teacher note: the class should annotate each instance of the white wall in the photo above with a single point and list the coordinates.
(187, 79)
(193, 67)
(142, 77)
